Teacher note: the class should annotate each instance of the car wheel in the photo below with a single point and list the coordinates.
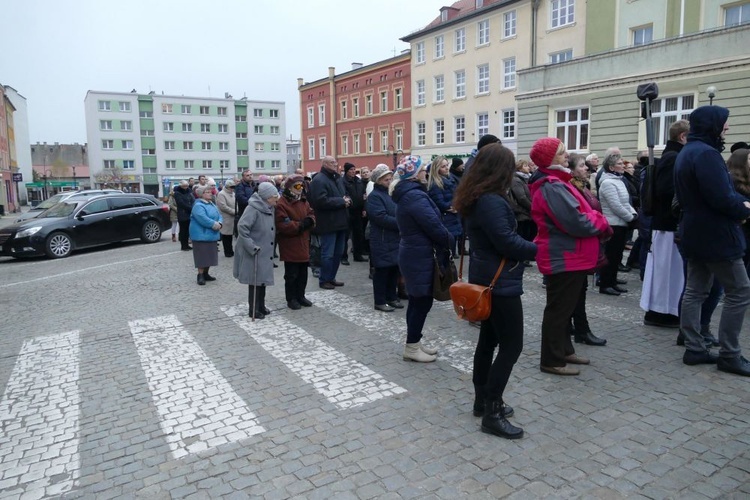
(59, 245)
(150, 232)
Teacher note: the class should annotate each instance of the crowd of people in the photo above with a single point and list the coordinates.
(682, 219)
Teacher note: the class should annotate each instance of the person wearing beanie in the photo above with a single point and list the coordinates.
(483, 141)
(205, 223)
(568, 234)
(226, 202)
(253, 260)
(457, 169)
(294, 220)
(423, 238)
(355, 189)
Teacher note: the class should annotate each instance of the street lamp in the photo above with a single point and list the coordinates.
(46, 193)
(221, 169)
(711, 91)
(395, 153)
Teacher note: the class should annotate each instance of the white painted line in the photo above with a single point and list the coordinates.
(39, 417)
(392, 326)
(343, 381)
(198, 407)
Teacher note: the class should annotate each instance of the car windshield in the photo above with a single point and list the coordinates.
(63, 209)
(50, 202)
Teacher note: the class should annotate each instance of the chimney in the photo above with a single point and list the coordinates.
(356, 65)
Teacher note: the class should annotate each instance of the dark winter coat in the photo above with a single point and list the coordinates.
(491, 227)
(184, 199)
(384, 235)
(520, 197)
(242, 193)
(443, 199)
(422, 234)
(355, 188)
(663, 218)
(711, 208)
(293, 237)
(327, 199)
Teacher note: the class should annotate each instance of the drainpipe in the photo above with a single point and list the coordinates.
(534, 15)
(333, 109)
(682, 17)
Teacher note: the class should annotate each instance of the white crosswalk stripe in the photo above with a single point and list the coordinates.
(197, 405)
(458, 353)
(39, 417)
(343, 381)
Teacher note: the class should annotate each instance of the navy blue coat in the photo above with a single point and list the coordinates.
(384, 236)
(711, 209)
(443, 199)
(422, 233)
(184, 199)
(491, 227)
(327, 199)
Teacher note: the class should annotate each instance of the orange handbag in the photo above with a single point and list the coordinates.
(473, 302)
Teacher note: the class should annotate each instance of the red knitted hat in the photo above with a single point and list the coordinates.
(543, 151)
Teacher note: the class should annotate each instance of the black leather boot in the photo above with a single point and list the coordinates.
(262, 302)
(495, 423)
(207, 276)
(253, 299)
(479, 408)
(588, 338)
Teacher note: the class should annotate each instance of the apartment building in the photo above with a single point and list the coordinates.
(361, 116)
(149, 142)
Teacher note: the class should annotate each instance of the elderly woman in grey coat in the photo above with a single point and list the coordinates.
(253, 260)
(225, 202)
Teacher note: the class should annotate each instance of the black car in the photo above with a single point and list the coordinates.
(79, 223)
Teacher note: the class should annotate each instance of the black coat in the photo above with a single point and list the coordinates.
(327, 200)
(184, 199)
(355, 188)
(663, 219)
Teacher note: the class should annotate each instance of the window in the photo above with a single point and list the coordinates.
(368, 104)
(258, 113)
(443, 15)
(459, 40)
(148, 152)
(558, 57)
(241, 135)
(147, 133)
(643, 35)
(383, 102)
(273, 113)
(105, 124)
(439, 88)
(343, 110)
(311, 148)
(240, 118)
(666, 111)
(223, 146)
(208, 164)
(483, 79)
(439, 46)
(186, 109)
(563, 12)
(206, 146)
(128, 164)
(189, 164)
(321, 114)
(509, 24)
(275, 130)
(384, 141)
(105, 106)
(168, 127)
(205, 127)
(322, 146)
(310, 117)
(739, 14)
(398, 97)
(223, 164)
(125, 106)
(221, 111)
(127, 145)
(478, 4)
(108, 144)
(356, 144)
(420, 53)
(109, 163)
(370, 142)
(355, 106)
(187, 127)
(126, 125)
(166, 108)
(260, 147)
(483, 124)
(399, 138)
(344, 145)
(187, 145)
(275, 163)
(146, 114)
(275, 146)
(440, 131)
(420, 93)
(460, 84)
(170, 164)
(509, 73)
(260, 164)
(258, 129)
(573, 128)
(204, 110)
(421, 133)
(483, 32)
(460, 127)
(223, 128)
(242, 152)
(509, 124)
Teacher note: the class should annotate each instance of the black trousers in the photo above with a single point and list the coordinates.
(416, 314)
(295, 280)
(226, 241)
(357, 234)
(563, 293)
(184, 233)
(504, 331)
(613, 249)
(385, 284)
(256, 295)
(579, 318)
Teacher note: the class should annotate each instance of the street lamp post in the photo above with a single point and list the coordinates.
(46, 192)
(221, 169)
(395, 154)
(711, 91)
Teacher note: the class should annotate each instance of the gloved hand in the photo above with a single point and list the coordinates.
(216, 226)
(305, 224)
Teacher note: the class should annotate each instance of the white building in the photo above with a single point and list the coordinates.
(23, 149)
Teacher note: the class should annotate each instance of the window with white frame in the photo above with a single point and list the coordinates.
(384, 140)
(509, 24)
(483, 124)
(109, 163)
(206, 146)
(343, 110)
(187, 145)
(108, 144)
(205, 127)
(460, 127)
(643, 35)
(169, 145)
(322, 113)
(240, 118)
(276, 164)
(370, 142)
(221, 111)
(275, 146)
(260, 164)
(509, 124)
(355, 106)
(187, 127)
(126, 125)
(460, 77)
(322, 146)
(420, 53)
(166, 108)
(439, 131)
(563, 13)
(439, 88)
(368, 104)
(737, 14)
(223, 128)
(207, 164)
(260, 147)
(273, 113)
(311, 148)
(356, 144)
(562, 56)
(478, 4)
(421, 134)
(444, 15)
(399, 138)
(384, 101)
(398, 96)
(275, 130)
(204, 110)
(189, 164)
(242, 152)
(345, 145)
(483, 79)
(125, 106)
(509, 73)
(420, 93)
(127, 145)
(105, 124)
(257, 112)
(105, 106)
(223, 146)
(128, 164)
(666, 111)
(168, 127)
(483, 32)
(146, 114)
(170, 164)
(147, 133)
(257, 129)
(241, 135)
(572, 126)
(185, 109)
(459, 40)
(310, 117)
(223, 164)
(439, 46)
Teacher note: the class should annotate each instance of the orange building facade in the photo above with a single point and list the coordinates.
(362, 116)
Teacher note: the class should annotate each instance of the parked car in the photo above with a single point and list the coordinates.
(80, 222)
(54, 200)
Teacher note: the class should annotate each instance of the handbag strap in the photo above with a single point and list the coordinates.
(461, 264)
(497, 274)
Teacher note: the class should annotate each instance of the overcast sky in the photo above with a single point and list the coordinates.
(53, 51)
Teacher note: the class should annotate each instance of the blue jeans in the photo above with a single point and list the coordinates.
(331, 251)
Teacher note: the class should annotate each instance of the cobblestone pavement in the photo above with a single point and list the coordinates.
(121, 377)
